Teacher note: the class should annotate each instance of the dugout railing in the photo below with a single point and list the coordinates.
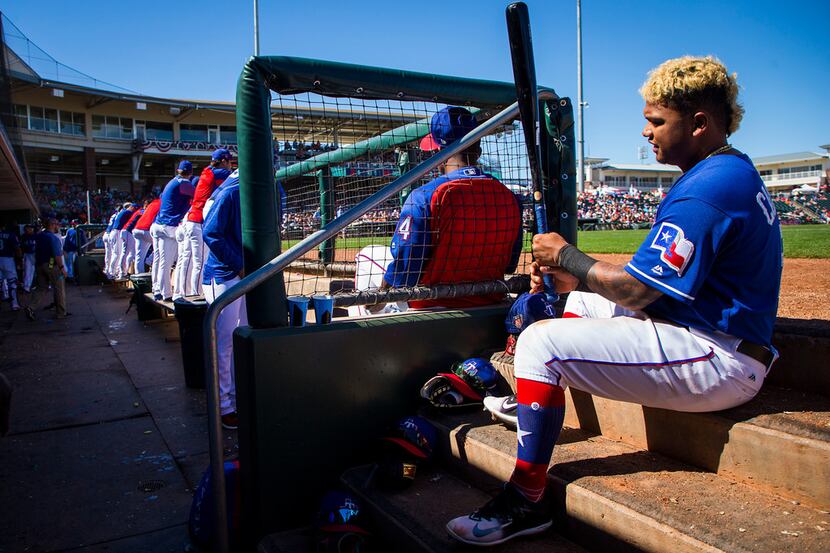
(263, 286)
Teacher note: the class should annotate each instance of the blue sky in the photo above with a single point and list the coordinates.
(190, 49)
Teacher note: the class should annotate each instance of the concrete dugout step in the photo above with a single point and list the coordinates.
(780, 439)
(414, 520)
(616, 497)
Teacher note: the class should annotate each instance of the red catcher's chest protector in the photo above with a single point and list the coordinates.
(475, 224)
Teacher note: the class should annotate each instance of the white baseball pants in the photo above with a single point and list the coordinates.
(196, 252)
(69, 262)
(181, 286)
(165, 252)
(8, 274)
(371, 263)
(28, 270)
(128, 254)
(107, 251)
(143, 243)
(614, 353)
(234, 315)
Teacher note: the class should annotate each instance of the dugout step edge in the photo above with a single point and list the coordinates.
(613, 496)
(789, 426)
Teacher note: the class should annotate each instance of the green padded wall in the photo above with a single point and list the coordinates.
(335, 390)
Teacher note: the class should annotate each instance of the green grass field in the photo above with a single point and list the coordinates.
(811, 241)
(799, 241)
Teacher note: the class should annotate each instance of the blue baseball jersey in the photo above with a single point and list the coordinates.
(8, 243)
(232, 180)
(47, 246)
(175, 201)
(112, 220)
(222, 233)
(27, 243)
(715, 251)
(121, 219)
(413, 239)
(70, 241)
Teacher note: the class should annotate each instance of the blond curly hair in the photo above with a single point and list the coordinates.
(689, 83)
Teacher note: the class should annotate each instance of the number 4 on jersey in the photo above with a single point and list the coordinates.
(405, 227)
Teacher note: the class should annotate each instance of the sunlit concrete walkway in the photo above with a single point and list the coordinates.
(106, 442)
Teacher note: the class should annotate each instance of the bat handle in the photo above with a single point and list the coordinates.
(550, 289)
(542, 228)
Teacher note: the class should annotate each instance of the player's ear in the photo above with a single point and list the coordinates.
(700, 123)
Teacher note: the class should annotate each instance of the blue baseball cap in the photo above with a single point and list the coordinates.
(526, 310)
(221, 154)
(415, 435)
(185, 166)
(449, 125)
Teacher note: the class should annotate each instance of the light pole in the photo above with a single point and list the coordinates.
(580, 139)
(256, 27)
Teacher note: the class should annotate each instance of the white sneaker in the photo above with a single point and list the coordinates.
(503, 409)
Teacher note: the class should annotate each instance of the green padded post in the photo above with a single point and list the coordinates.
(258, 196)
(559, 167)
(326, 186)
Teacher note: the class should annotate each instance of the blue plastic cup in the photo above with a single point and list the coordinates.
(323, 307)
(297, 309)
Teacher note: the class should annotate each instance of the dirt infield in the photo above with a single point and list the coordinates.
(805, 287)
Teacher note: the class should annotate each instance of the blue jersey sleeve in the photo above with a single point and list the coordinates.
(411, 243)
(681, 248)
(222, 224)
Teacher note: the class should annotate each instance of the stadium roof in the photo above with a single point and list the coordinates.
(787, 158)
(301, 120)
(655, 167)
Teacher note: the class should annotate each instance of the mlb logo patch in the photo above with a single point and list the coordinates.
(518, 321)
(675, 249)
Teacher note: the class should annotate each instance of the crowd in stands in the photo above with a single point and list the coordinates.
(820, 205)
(619, 211)
(302, 150)
(67, 202)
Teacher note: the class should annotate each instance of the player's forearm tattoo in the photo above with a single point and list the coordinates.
(613, 283)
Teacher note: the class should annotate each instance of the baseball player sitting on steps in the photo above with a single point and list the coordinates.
(685, 325)
(464, 226)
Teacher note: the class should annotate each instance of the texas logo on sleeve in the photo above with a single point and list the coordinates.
(675, 250)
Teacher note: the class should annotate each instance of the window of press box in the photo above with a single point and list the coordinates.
(72, 123)
(36, 120)
(228, 135)
(159, 131)
(21, 114)
(108, 126)
(194, 133)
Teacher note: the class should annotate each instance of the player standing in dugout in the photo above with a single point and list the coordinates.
(685, 325)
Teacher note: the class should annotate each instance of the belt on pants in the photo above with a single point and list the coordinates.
(762, 354)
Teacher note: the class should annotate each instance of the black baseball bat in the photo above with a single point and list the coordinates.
(524, 74)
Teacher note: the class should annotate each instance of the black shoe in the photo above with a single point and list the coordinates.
(50, 306)
(157, 297)
(30, 314)
(506, 516)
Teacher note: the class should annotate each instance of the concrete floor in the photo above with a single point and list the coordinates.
(106, 442)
